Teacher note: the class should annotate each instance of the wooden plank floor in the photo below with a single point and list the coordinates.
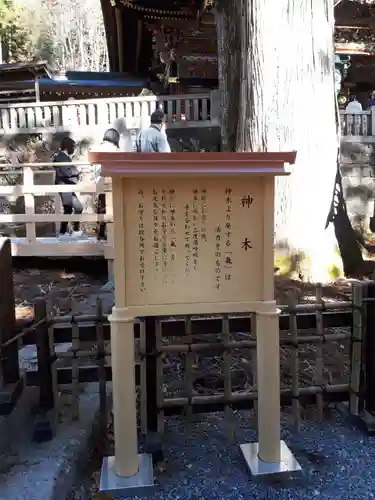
(53, 247)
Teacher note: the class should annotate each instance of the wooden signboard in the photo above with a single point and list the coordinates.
(193, 235)
(189, 240)
(193, 229)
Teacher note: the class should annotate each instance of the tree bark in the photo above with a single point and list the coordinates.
(277, 62)
(228, 18)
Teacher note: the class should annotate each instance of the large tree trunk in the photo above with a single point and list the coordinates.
(277, 62)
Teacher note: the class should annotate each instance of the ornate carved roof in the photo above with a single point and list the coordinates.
(355, 22)
(355, 9)
(159, 9)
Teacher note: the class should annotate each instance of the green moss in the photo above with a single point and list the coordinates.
(289, 265)
(298, 265)
(284, 264)
(334, 272)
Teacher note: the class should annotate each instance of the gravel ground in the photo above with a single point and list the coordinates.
(202, 463)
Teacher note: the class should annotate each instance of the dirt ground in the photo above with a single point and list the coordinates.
(65, 284)
(62, 284)
(286, 288)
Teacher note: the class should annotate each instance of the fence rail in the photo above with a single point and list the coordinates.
(359, 126)
(197, 110)
(32, 186)
(190, 110)
(59, 116)
(177, 359)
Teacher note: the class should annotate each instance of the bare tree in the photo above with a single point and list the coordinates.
(276, 58)
(72, 33)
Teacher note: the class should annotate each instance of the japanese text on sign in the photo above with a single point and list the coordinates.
(228, 254)
(141, 240)
(193, 239)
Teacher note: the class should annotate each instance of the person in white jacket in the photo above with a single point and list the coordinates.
(110, 141)
(125, 137)
(109, 144)
(354, 107)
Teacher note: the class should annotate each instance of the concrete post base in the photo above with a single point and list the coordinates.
(263, 471)
(141, 484)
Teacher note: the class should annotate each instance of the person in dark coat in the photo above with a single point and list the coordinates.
(371, 101)
(68, 174)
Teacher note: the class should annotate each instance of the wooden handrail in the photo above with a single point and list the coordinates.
(115, 100)
(29, 190)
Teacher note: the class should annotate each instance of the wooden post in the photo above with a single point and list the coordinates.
(46, 397)
(151, 374)
(124, 397)
(123, 363)
(120, 38)
(37, 89)
(101, 209)
(215, 109)
(139, 43)
(369, 417)
(9, 354)
(11, 384)
(28, 181)
(101, 368)
(153, 441)
(268, 377)
(44, 428)
(372, 131)
(268, 345)
(356, 350)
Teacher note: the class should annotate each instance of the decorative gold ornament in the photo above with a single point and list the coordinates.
(208, 4)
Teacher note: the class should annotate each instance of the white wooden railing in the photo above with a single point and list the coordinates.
(191, 110)
(30, 190)
(181, 110)
(359, 126)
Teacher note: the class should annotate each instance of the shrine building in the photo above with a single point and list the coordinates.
(174, 43)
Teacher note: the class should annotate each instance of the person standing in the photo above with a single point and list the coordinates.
(154, 139)
(125, 142)
(67, 175)
(109, 144)
(371, 101)
(354, 107)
